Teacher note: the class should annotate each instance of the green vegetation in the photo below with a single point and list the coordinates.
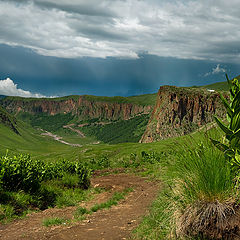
(27, 183)
(51, 123)
(111, 132)
(8, 120)
(198, 196)
(80, 211)
(231, 143)
(54, 221)
(117, 196)
(218, 86)
(118, 132)
(201, 194)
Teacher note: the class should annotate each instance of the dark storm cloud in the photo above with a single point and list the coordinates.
(187, 29)
(51, 76)
(90, 7)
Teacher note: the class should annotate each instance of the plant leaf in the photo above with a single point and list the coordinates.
(236, 100)
(226, 105)
(236, 134)
(223, 127)
(235, 122)
(229, 82)
(219, 145)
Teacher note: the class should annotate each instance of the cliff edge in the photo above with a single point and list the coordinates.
(179, 111)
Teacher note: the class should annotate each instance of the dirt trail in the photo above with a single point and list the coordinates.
(70, 126)
(108, 224)
(59, 139)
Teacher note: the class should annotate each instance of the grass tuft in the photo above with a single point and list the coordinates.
(205, 193)
(54, 221)
(117, 196)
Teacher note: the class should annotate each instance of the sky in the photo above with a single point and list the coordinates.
(115, 47)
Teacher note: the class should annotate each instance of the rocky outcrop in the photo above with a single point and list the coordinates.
(79, 106)
(179, 111)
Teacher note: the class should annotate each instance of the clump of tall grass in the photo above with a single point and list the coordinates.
(205, 193)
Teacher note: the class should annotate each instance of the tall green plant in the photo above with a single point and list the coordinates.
(231, 142)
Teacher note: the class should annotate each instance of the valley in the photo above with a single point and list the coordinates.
(113, 139)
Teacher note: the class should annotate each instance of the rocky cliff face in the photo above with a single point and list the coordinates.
(80, 106)
(179, 111)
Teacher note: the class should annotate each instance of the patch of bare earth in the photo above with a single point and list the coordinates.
(114, 223)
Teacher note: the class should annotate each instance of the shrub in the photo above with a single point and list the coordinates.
(20, 172)
(70, 180)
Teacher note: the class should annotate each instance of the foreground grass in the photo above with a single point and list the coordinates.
(198, 198)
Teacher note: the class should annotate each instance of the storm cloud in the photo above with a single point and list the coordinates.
(201, 30)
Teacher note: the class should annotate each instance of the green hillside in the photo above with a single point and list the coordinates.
(218, 86)
(8, 120)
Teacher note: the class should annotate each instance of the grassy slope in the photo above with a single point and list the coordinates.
(127, 130)
(42, 147)
(29, 141)
(218, 86)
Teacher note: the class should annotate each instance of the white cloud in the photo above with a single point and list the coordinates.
(9, 88)
(218, 69)
(101, 28)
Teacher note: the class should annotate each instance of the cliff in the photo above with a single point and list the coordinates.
(81, 106)
(179, 111)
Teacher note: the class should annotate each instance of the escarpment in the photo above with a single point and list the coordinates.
(79, 106)
(179, 111)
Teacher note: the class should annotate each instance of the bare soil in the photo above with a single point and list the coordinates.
(114, 223)
(59, 139)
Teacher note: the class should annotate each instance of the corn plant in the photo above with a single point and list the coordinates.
(231, 142)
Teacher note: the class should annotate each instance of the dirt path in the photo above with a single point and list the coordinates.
(59, 139)
(108, 224)
(70, 126)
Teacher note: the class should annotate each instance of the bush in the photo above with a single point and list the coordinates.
(20, 172)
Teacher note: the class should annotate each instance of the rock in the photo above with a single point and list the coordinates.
(179, 111)
(77, 105)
